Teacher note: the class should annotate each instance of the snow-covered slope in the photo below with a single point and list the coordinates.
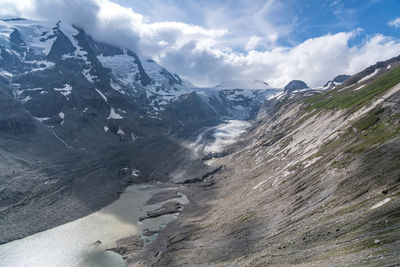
(338, 80)
(54, 68)
(26, 46)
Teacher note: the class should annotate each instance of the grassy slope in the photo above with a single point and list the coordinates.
(350, 99)
(377, 126)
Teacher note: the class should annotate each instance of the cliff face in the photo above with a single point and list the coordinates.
(315, 181)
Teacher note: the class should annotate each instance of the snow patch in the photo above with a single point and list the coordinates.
(117, 87)
(65, 56)
(88, 76)
(260, 184)
(114, 115)
(66, 91)
(311, 162)
(42, 119)
(358, 88)
(41, 65)
(377, 205)
(369, 76)
(26, 99)
(61, 115)
(101, 94)
(6, 73)
(120, 131)
(135, 172)
(276, 96)
(106, 128)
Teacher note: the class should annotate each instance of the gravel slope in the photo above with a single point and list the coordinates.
(308, 188)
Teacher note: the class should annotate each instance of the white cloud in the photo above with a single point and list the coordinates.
(253, 42)
(15, 8)
(162, 43)
(314, 61)
(209, 55)
(395, 23)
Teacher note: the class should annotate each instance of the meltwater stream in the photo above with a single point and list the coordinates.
(77, 243)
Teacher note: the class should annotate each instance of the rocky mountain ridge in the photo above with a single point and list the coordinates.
(336, 81)
(77, 116)
(314, 182)
(49, 68)
(295, 85)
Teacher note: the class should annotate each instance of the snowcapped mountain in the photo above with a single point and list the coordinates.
(295, 85)
(335, 82)
(76, 87)
(76, 114)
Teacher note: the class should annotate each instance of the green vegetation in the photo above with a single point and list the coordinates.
(374, 128)
(246, 217)
(348, 98)
(367, 121)
(376, 133)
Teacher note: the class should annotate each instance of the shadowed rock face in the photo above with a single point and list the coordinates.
(336, 81)
(341, 78)
(295, 85)
(14, 119)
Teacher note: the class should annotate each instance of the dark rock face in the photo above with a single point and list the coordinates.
(14, 119)
(341, 78)
(295, 85)
(336, 81)
(61, 46)
(381, 66)
(191, 109)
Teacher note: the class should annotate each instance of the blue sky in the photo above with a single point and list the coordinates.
(302, 19)
(210, 42)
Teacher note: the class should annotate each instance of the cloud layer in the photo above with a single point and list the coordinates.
(395, 23)
(210, 55)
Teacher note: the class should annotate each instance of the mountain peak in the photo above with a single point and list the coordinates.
(295, 85)
(336, 81)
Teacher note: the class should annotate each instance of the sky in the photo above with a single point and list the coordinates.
(209, 42)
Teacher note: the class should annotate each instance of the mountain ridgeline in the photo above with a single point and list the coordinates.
(313, 181)
(77, 115)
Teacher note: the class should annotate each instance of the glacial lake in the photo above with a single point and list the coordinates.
(76, 243)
